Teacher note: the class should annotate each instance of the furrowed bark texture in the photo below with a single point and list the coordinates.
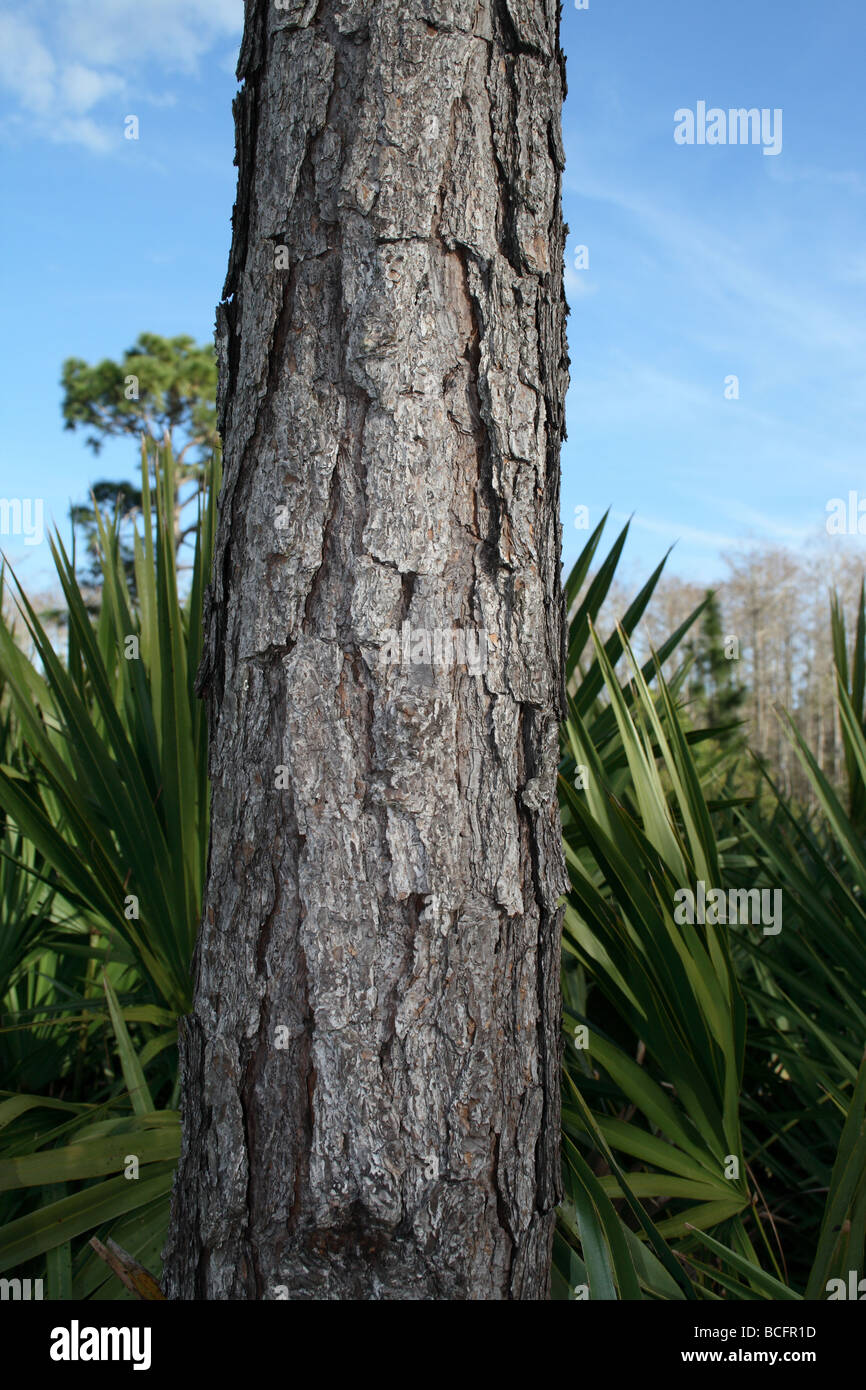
(371, 1072)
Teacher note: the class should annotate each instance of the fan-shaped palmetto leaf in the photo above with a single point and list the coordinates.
(97, 1144)
(120, 810)
(107, 801)
(637, 828)
(675, 985)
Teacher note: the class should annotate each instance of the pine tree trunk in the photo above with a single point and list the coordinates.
(371, 1071)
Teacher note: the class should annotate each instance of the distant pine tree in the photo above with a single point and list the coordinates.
(161, 387)
(715, 694)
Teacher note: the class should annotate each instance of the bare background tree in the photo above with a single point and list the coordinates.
(776, 603)
(371, 1071)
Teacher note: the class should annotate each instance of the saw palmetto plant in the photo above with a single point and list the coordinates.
(714, 1140)
(713, 1092)
(103, 792)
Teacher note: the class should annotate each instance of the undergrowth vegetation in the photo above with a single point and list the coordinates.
(714, 1094)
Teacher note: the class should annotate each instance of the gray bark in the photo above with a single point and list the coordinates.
(371, 1071)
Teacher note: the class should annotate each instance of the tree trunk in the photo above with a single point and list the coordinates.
(371, 1071)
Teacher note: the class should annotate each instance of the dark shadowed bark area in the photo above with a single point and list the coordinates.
(371, 1071)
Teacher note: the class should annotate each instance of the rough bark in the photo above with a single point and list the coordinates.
(371, 1071)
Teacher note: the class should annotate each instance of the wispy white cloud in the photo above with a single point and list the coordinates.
(65, 61)
(115, 33)
(674, 530)
(576, 283)
(51, 97)
(27, 69)
(850, 179)
(628, 390)
(763, 527)
(229, 62)
(766, 523)
(852, 268)
(709, 256)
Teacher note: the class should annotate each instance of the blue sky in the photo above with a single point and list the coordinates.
(704, 261)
